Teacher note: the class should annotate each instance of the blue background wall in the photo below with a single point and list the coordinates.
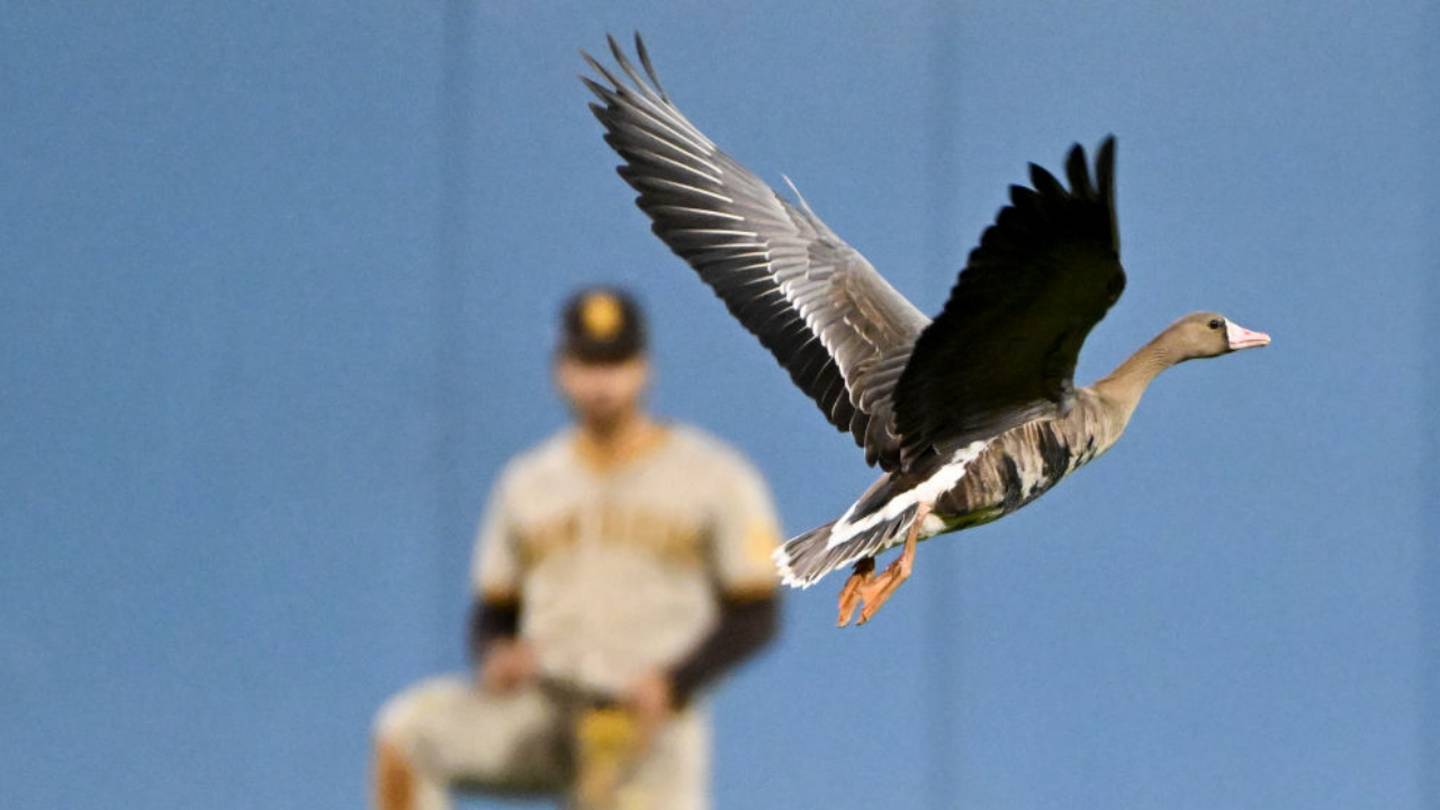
(277, 289)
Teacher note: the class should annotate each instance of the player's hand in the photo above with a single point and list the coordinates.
(651, 698)
(508, 665)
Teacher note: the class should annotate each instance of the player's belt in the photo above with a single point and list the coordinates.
(565, 693)
(607, 743)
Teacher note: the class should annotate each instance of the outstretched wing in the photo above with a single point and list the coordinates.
(1003, 350)
(832, 321)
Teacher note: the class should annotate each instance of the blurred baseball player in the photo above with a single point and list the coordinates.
(621, 565)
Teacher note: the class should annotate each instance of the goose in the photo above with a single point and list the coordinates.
(969, 416)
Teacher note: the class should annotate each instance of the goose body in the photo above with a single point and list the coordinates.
(970, 416)
(977, 484)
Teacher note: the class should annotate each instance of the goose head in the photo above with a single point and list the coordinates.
(1207, 334)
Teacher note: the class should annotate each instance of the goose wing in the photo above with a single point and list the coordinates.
(833, 322)
(1003, 350)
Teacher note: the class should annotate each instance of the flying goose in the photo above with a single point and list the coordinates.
(970, 416)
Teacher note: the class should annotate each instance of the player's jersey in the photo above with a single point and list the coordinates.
(621, 565)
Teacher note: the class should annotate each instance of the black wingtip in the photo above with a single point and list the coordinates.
(1044, 182)
(651, 90)
(595, 65)
(1078, 172)
(588, 59)
(601, 92)
(644, 55)
(619, 53)
(1105, 168)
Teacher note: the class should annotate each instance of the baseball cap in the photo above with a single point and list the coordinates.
(602, 325)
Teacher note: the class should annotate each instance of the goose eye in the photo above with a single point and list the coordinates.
(1216, 323)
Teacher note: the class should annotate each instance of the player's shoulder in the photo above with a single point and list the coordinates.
(539, 459)
(698, 447)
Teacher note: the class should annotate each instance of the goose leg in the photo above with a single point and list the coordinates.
(877, 589)
(850, 594)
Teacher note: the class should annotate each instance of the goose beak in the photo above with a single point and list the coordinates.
(1242, 338)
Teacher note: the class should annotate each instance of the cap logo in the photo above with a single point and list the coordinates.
(601, 316)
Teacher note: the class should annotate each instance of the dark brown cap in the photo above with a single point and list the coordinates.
(602, 325)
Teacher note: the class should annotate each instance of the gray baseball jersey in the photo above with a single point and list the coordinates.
(621, 563)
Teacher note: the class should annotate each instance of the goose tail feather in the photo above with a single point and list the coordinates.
(804, 559)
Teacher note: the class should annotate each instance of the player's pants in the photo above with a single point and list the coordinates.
(456, 735)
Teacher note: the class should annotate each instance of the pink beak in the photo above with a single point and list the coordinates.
(1242, 338)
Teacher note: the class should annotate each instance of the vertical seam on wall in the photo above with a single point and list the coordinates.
(1428, 579)
(944, 784)
(448, 307)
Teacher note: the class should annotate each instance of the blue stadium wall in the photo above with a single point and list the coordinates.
(277, 290)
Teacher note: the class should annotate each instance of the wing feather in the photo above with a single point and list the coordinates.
(1003, 351)
(821, 309)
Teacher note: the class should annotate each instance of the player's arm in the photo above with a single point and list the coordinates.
(745, 534)
(502, 660)
(493, 619)
(747, 624)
